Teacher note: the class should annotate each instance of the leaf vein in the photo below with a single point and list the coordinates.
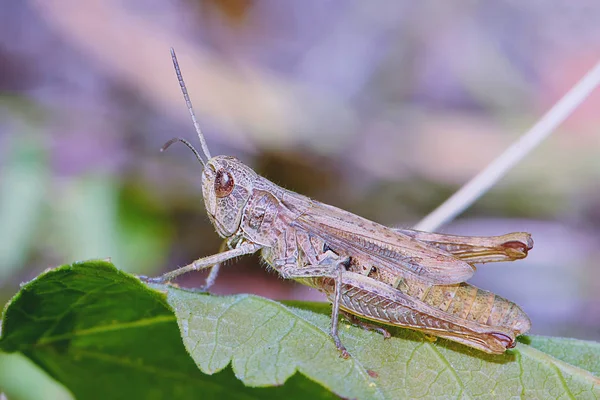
(108, 328)
(445, 361)
(219, 320)
(73, 306)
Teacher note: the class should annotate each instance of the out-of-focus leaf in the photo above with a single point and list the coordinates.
(144, 231)
(126, 227)
(22, 187)
(21, 379)
(90, 201)
(96, 329)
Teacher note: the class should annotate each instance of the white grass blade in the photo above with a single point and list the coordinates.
(483, 181)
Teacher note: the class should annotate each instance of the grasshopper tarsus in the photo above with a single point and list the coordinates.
(344, 353)
(162, 280)
(342, 349)
(201, 289)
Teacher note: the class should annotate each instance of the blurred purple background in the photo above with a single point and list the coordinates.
(382, 108)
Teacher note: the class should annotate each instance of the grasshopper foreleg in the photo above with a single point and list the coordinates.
(206, 262)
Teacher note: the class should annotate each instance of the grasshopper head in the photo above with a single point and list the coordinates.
(227, 184)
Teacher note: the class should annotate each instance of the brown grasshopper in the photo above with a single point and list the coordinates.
(398, 277)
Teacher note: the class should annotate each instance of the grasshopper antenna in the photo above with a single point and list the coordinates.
(188, 102)
(188, 144)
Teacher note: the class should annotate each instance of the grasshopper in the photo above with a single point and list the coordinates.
(398, 277)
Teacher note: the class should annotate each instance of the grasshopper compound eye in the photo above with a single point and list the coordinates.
(223, 184)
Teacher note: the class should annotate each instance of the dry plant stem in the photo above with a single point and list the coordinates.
(483, 181)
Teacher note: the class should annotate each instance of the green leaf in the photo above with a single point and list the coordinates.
(103, 334)
(580, 353)
(266, 341)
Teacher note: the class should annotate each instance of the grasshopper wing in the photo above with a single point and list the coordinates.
(397, 253)
(478, 249)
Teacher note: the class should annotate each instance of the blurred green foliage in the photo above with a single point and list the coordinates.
(23, 190)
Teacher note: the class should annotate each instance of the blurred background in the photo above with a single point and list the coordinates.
(382, 108)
